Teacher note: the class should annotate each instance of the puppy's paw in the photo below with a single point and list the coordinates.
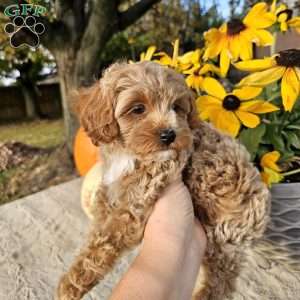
(67, 291)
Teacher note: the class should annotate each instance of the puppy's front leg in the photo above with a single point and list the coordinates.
(106, 243)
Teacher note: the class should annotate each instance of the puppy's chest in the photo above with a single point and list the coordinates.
(119, 166)
(116, 178)
(128, 180)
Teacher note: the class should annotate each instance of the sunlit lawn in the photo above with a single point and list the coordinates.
(45, 133)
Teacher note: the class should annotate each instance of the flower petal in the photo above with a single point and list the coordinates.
(204, 115)
(214, 88)
(289, 88)
(192, 70)
(248, 119)
(283, 26)
(247, 92)
(246, 52)
(234, 47)
(208, 107)
(149, 53)
(189, 80)
(203, 102)
(265, 178)
(264, 77)
(282, 18)
(273, 6)
(209, 68)
(224, 62)
(265, 38)
(215, 42)
(270, 176)
(269, 160)
(191, 57)
(227, 122)
(297, 70)
(258, 107)
(175, 52)
(256, 64)
(294, 22)
(280, 8)
(198, 83)
(259, 17)
(194, 81)
(164, 59)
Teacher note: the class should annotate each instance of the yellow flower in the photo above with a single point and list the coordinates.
(285, 65)
(169, 61)
(146, 56)
(190, 59)
(180, 63)
(269, 160)
(284, 17)
(228, 110)
(271, 171)
(235, 38)
(192, 66)
(195, 75)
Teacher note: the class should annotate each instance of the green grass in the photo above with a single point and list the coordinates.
(45, 133)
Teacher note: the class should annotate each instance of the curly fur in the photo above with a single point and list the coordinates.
(228, 195)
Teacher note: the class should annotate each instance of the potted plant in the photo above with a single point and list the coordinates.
(261, 108)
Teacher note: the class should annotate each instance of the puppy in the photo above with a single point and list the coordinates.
(143, 118)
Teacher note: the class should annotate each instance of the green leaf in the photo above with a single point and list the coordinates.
(294, 139)
(297, 127)
(251, 138)
(278, 143)
(287, 156)
(273, 138)
(287, 140)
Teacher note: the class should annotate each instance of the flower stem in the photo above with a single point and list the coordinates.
(273, 46)
(291, 172)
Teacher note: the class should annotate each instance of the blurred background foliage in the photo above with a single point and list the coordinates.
(165, 22)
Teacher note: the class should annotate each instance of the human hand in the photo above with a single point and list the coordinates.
(173, 246)
(173, 219)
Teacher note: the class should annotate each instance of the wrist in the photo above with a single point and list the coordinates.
(163, 258)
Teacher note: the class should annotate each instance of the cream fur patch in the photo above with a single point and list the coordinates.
(120, 165)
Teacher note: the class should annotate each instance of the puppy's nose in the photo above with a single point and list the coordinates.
(167, 136)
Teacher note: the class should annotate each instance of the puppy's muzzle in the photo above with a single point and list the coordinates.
(167, 136)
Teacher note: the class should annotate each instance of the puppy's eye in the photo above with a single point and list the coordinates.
(138, 109)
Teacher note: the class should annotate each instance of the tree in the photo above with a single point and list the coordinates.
(172, 19)
(233, 5)
(76, 34)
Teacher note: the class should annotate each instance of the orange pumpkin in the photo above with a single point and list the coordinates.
(86, 154)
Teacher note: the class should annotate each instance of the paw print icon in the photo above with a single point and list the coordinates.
(24, 31)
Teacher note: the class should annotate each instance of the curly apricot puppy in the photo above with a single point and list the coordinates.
(143, 117)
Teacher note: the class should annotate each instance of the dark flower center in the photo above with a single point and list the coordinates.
(231, 102)
(288, 12)
(235, 26)
(288, 58)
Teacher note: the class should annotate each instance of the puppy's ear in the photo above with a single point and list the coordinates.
(96, 114)
(193, 117)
